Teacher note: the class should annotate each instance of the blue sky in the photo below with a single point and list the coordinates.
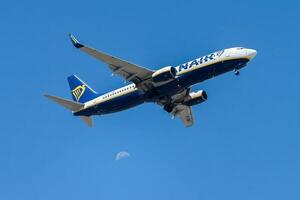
(244, 145)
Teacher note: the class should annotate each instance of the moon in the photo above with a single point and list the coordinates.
(122, 155)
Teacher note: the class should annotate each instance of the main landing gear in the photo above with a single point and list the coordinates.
(168, 108)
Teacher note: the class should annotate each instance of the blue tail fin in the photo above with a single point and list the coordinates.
(81, 92)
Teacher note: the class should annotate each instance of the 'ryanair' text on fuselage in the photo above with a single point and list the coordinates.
(200, 61)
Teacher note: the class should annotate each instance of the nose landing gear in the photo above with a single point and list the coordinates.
(237, 72)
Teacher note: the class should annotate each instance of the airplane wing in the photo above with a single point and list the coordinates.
(129, 71)
(184, 112)
(180, 110)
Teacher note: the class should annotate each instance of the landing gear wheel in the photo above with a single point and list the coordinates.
(168, 108)
(236, 72)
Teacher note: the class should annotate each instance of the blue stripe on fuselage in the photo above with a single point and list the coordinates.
(114, 105)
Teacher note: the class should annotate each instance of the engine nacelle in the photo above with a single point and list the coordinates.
(164, 74)
(196, 98)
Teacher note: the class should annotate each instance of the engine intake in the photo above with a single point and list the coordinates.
(196, 98)
(164, 74)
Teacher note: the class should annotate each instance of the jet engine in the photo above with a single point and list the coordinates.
(164, 74)
(195, 98)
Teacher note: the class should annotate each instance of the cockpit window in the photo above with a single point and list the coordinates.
(239, 48)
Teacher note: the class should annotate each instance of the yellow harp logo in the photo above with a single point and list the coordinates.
(78, 92)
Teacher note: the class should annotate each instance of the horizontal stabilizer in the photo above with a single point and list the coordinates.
(88, 120)
(71, 105)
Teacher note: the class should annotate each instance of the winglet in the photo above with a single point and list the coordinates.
(75, 42)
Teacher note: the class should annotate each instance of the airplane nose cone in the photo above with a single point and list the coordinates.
(251, 53)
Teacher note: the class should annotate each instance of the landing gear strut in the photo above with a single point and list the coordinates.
(237, 72)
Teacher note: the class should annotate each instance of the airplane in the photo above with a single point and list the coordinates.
(169, 87)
